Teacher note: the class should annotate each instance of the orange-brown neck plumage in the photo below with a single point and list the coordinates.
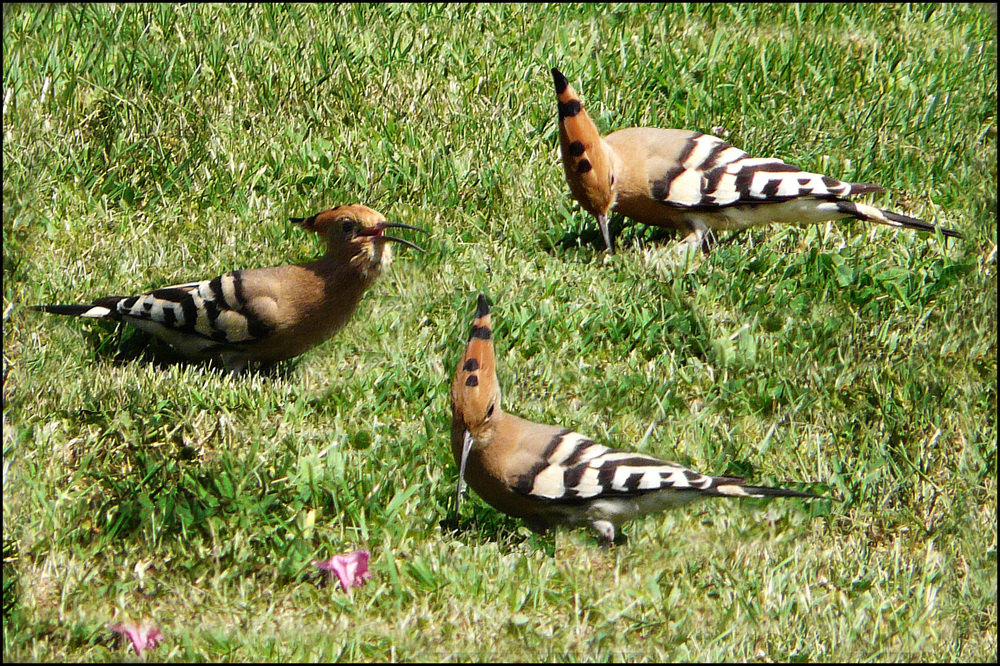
(475, 394)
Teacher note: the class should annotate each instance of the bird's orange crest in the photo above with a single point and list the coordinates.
(475, 390)
(586, 160)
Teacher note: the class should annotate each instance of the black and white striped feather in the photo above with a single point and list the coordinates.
(712, 176)
(196, 317)
(573, 468)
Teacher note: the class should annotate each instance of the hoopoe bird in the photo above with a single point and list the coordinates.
(696, 182)
(264, 314)
(550, 476)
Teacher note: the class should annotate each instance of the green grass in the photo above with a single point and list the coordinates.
(145, 146)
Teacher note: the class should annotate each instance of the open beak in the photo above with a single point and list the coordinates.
(377, 230)
(466, 446)
(602, 221)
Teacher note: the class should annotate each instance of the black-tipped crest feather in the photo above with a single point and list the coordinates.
(482, 306)
(559, 80)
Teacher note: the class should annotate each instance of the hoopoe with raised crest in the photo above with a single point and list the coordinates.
(263, 314)
(550, 476)
(697, 183)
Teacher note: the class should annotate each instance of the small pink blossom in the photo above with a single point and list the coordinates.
(144, 636)
(351, 568)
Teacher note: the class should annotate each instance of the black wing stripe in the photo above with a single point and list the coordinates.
(713, 156)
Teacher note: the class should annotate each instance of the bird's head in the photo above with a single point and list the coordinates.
(356, 233)
(587, 159)
(475, 391)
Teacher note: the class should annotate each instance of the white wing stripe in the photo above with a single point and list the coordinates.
(589, 485)
(570, 442)
(739, 165)
(685, 189)
(788, 187)
(97, 311)
(229, 291)
(549, 483)
(703, 146)
(651, 480)
(728, 155)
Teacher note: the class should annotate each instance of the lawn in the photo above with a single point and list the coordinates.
(149, 145)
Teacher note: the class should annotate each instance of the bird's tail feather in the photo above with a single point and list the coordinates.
(871, 214)
(739, 490)
(94, 311)
(865, 188)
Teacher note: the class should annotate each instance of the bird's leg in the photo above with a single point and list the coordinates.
(235, 363)
(537, 526)
(696, 240)
(709, 242)
(605, 529)
(699, 232)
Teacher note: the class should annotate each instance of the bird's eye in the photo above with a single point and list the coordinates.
(348, 226)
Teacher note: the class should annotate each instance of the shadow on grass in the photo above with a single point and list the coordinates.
(121, 344)
(11, 581)
(627, 233)
(504, 529)
(589, 237)
(495, 528)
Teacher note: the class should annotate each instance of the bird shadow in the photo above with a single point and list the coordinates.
(589, 236)
(121, 345)
(626, 233)
(505, 530)
(496, 529)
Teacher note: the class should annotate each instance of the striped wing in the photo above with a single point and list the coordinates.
(574, 468)
(213, 309)
(711, 174)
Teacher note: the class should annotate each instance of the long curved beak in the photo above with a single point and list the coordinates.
(602, 221)
(377, 233)
(466, 446)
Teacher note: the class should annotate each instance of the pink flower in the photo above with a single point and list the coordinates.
(351, 568)
(144, 636)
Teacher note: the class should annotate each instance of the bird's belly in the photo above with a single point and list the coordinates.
(615, 510)
(192, 347)
(286, 344)
(618, 510)
(799, 212)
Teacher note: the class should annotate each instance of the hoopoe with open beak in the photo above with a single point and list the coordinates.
(263, 314)
(550, 476)
(697, 183)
